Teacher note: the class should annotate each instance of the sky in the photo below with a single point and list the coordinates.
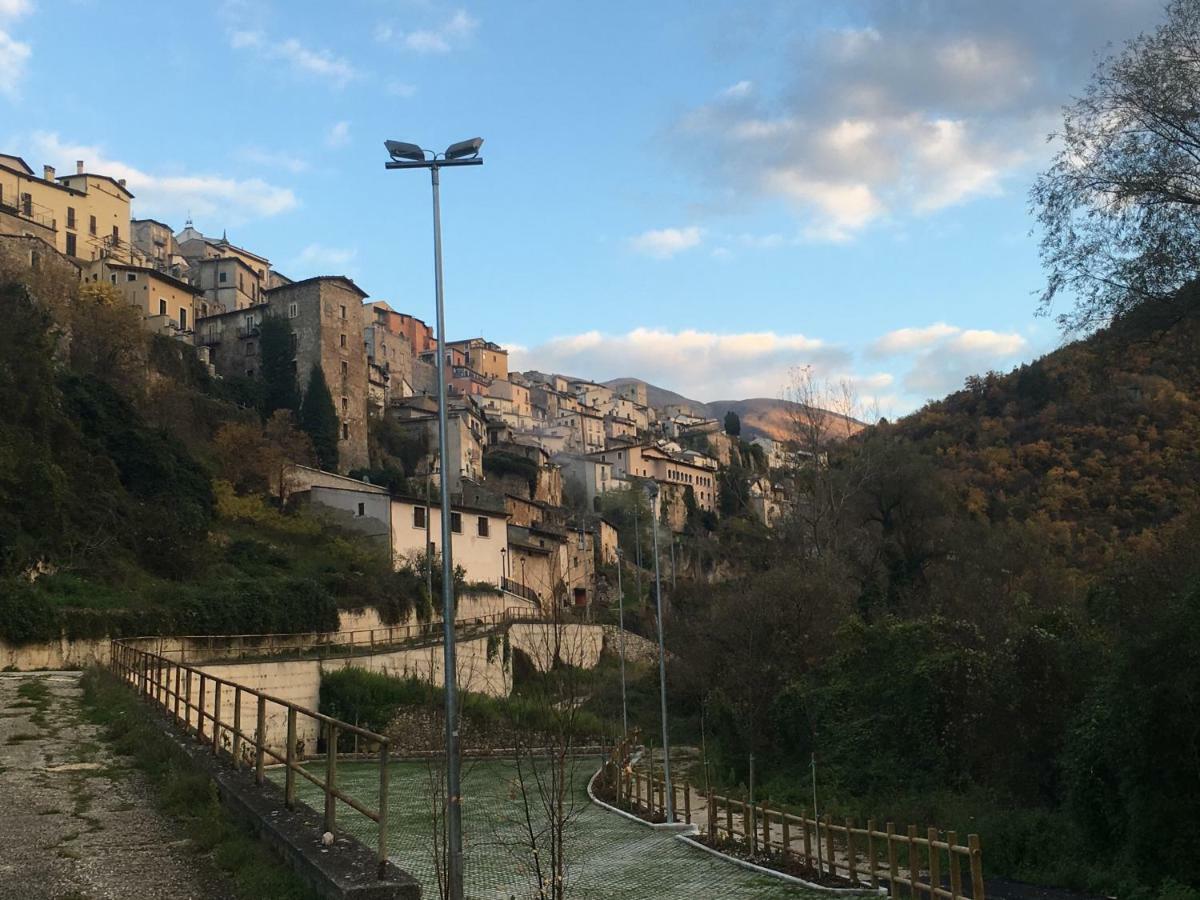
(707, 195)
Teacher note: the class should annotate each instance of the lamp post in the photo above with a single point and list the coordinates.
(621, 625)
(652, 492)
(411, 156)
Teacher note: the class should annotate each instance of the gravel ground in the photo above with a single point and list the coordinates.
(77, 823)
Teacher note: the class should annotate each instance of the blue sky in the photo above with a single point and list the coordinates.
(702, 194)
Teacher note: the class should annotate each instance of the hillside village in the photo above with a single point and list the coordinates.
(535, 456)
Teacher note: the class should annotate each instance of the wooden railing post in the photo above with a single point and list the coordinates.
(289, 783)
(872, 856)
(831, 859)
(177, 692)
(216, 732)
(914, 861)
(330, 776)
(728, 819)
(807, 843)
(260, 740)
(955, 872)
(687, 802)
(236, 743)
(893, 868)
(200, 712)
(711, 814)
(976, 867)
(766, 828)
(851, 860)
(187, 702)
(935, 864)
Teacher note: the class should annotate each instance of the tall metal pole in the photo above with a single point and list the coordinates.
(454, 851)
(637, 544)
(621, 625)
(662, 669)
(673, 543)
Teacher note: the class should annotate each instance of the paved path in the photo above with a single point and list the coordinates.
(75, 822)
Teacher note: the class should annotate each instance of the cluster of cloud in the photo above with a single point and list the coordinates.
(707, 366)
(14, 54)
(320, 64)
(172, 196)
(913, 109)
(320, 259)
(663, 243)
(338, 135)
(448, 35)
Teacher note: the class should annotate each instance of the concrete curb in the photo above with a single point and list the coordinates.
(782, 876)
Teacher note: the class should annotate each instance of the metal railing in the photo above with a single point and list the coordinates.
(324, 645)
(518, 589)
(172, 685)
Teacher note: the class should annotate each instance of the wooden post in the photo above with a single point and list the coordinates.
(976, 867)
(289, 783)
(766, 828)
(851, 860)
(748, 831)
(187, 701)
(935, 864)
(687, 803)
(914, 861)
(830, 859)
(200, 713)
(176, 701)
(260, 739)
(787, 836)
(728, 819)
(872, 856)
(807, 842)
(893, 869)
(330, 776)
(955, 872)
(712, 817)
(237, 727)
(216, 733)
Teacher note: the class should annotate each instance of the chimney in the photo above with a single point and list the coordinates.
(79, 167)
(48, 172)
(121, 182)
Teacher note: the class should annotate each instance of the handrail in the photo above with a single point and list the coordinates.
(169, 683)
(859, 862)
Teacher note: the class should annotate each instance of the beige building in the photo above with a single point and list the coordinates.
(650, 461)
(231, 277)
(84, 215)
(167, 304)
(488, 359)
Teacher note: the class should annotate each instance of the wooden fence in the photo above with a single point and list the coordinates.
(908, 864)
(172, 685)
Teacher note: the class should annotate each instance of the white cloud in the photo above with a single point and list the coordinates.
(943, 355)
(173, 195)
(740, 89)
(702, 365)
(663, 243)
(338, 135)
(316, 63)
(451, 34)
(14, 9)
(14, 57)
(273, 159)
(401, 89)
(323, 259)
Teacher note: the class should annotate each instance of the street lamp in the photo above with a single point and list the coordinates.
(412, 156)
(652, 493)
(621, 625)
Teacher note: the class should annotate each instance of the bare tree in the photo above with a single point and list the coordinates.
(1118, 206)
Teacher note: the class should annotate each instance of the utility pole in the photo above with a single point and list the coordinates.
(637, 543)
(662, 663)
(621, 625)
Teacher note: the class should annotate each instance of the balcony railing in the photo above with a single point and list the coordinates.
(520, 590)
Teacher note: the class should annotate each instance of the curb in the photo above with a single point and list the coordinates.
(782, 876)
(678, 827)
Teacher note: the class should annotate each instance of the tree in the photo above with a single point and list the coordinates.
(251, 456)
(1118, 205)
(277, 369)
(733, 424)
(319, 419)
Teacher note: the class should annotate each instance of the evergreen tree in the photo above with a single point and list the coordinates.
(278, 375)
(733, 424)
(318, 418)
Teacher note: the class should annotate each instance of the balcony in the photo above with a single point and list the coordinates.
(26, 209)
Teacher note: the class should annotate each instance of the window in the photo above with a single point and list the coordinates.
(345, 405)
(343, 312)
(418, 517)
(162, 306)
(70, 245)
(345, 432)
(249, 373)
(241, 282)
(362, 509)
(92, 225)
(342, 340)
(116, 235)
(456, 522)
(130, 276)
(249, 348)
(345, 369)
(70, 217)
(182, 319)
(112, 278)
(221, 277)
(293, 310)
(483, 526)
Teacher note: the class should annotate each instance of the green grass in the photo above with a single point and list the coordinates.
(186, 796)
